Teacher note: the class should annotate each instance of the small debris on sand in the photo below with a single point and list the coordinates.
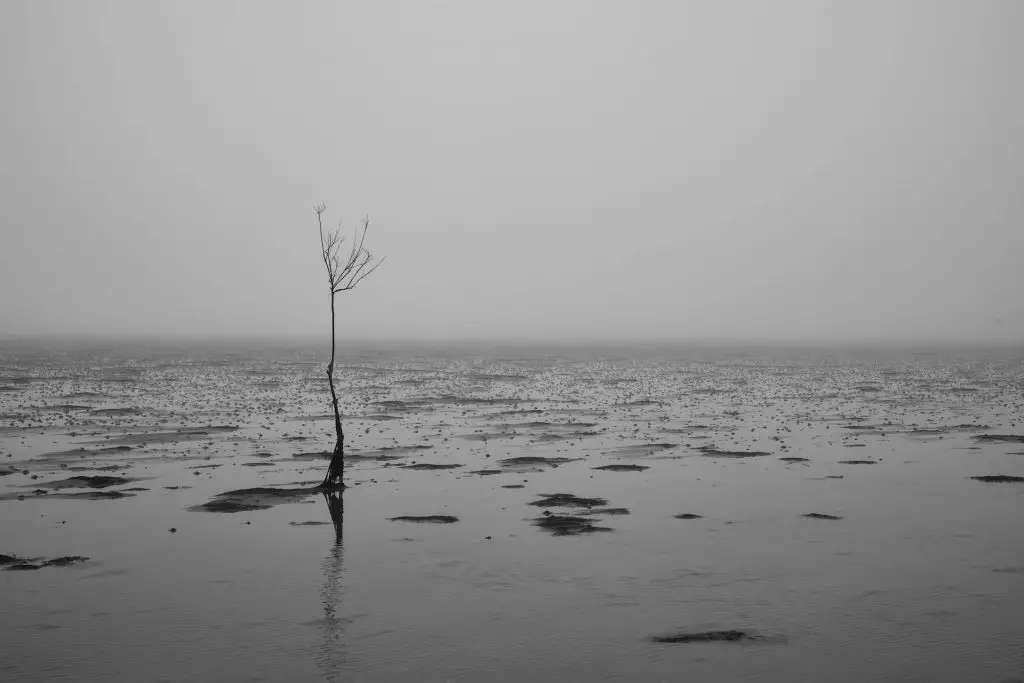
(426, 519)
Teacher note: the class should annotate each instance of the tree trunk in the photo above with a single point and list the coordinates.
(336, 470)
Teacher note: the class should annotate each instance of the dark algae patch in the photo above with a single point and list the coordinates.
(426, 519)
(1000, 438)
(567, 525)
(526, 460)
(12, 563)
(731, 636)
(713, 452)
(83, 481)
(622, 468)
(429, 466)
(261, 498)
(555, 500)
(994, 478)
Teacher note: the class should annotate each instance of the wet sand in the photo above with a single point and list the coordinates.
(512, 514)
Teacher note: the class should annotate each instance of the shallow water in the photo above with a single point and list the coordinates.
(922, 578)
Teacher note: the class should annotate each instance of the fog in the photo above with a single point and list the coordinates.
(671, 170)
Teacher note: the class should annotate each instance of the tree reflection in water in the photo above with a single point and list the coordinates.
(332, 658)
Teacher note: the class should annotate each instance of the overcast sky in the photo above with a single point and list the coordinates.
(787, 170)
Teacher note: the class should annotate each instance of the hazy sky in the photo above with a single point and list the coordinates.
(811, 170)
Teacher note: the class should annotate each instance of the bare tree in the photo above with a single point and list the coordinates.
(342, 275)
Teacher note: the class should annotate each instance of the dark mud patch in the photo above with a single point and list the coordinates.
(640, 450)
(554, 500)
(858, 462)
(713, 452)
(111, 412)
(534, 461)
(622, 468)
(94, 495)
(567, 525)
(426, 519)
(998, 478)
(189, 434)
(260, 498)
(565, 436)
(820, 515)
(688, 515)
(377, 455)
(731, 636)
(12, 563)
(429, 466)
(999, 438)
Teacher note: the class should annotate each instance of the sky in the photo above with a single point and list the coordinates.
(720, 169)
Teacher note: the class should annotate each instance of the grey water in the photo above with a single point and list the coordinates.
(920, 577)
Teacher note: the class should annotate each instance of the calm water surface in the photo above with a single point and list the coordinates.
(922, 578)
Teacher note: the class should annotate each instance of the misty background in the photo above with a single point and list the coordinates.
(785, 170)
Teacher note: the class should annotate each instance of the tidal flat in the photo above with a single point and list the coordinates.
(512, 513)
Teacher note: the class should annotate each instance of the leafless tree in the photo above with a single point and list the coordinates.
(343, 274)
